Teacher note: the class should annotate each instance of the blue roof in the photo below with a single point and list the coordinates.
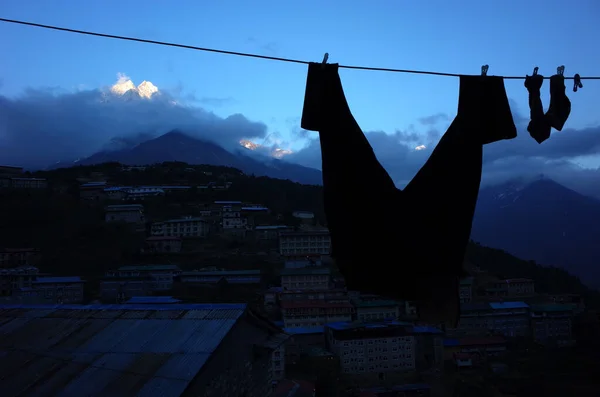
(342, 325)
(451, 342)
(82, 350)
(426, 329)
(304, 330)
(508, 305)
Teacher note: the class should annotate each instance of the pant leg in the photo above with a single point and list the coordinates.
(353, 179)
(443, 194)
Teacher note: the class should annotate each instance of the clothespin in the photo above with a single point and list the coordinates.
(484, 70)
(560, 70)
(577, 82)
(535, 71)
(325, 58)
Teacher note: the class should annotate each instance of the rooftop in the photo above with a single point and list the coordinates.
(148, 268)
(345, 325)
(271, 227)
(508, 305)
(111, 350)
(58, 280)
(304, 330)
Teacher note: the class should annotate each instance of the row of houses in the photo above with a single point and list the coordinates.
(102, 190)
(20, 279)
(13, 178)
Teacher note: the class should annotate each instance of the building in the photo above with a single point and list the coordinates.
(304, 216)
(518, 287)
(374, 309)
(514, 288)
(126, 350)
(184, 227)
(129, 213)
(14, 257)
(269, 233)
(214, 275)
(315, 278)
(552, 324)
(312, 294)
(314, 313)
(28, 183)
(429, 349)
(372, 348)
(466, 290)
(129, 281)
(255, 215)
(163, 244)
(94, 191)
(56, 289)
(473, 351)
(10, 171)
(510, 319)
(302, 339)
(15, 279)
(305, 243)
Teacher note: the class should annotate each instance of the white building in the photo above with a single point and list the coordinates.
(301, 244)
(184, 227)
(316, 278)
(314, 313)
(372, 348)
(232, 217)
(56, 289)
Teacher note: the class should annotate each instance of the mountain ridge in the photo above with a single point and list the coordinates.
(179, 146)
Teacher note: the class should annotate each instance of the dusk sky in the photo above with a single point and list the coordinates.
(401, 110)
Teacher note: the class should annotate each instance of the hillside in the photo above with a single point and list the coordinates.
(542, 221)
(75, 240)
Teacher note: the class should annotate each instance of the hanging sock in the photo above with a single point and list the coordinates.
(560, 105)
(539, 126)
(414, 250)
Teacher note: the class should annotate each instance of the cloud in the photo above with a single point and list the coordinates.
(433, 119)
(43, 126)
(402, 154)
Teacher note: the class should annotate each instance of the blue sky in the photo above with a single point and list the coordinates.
(440, 35)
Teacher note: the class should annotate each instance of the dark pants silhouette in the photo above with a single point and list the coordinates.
(404, 244)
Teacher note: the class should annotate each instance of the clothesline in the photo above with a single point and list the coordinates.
(243, 54)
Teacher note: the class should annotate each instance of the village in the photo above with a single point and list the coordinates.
(367, 342)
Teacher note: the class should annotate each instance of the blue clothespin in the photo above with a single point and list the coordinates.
(484, 70)
(577, 82)
(325, 58)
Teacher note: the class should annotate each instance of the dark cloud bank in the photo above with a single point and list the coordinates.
(42, 127)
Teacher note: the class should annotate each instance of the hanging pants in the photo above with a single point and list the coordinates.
(404, 244)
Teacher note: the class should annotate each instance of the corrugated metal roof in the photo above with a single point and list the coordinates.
(112, 350)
